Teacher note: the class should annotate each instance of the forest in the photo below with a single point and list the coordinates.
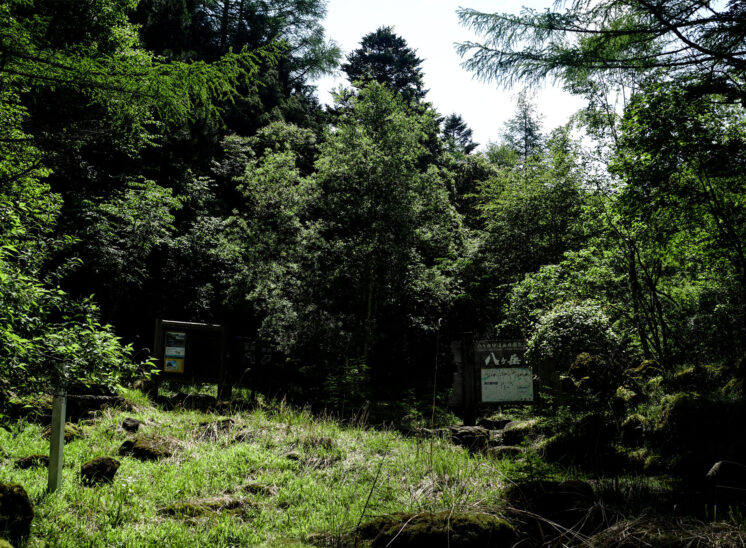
(170, 159)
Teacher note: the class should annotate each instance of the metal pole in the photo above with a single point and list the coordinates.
(57, 441)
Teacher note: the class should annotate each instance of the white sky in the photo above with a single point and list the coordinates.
(431, 27)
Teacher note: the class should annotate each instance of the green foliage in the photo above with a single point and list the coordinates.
(566, 331)
(122, 232)
(457, 135)
(44, 50)
(384, 57)
(627, 40)
(47, 339)
(269, 478)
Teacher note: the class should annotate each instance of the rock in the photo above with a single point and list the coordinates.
(471, 437)
(32, 461)
(426, 432)
(428, 529)
(646, 369)
(99, 470)
(504, 451)
(568, 503)
(516, 431)
(633, 429)
(202, 507)
(727, 475)
(82, 407)
(16, 512)
(567, 385)
(493, 424)
(131, 425)
(256, 488)
(147, 448)
(72, 432)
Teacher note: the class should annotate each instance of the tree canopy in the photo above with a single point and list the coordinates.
(384, 57)
(686, 38)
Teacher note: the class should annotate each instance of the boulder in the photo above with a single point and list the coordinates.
(428, 529)
(727, 474)
(632, 430)
(516, 431)
(32, 461)
(492, 424)
(72, 432)
(85, 406)
(147, 448)
(504, 451)
(471, 437)
(543, 503)
(16, 512)
(99, 470)
(131, 425)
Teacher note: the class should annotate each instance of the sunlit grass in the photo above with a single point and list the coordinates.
(271, 476)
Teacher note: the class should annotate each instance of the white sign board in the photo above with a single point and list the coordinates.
(507, 385)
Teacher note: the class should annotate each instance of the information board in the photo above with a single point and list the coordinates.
(175, 352)
(504, 376)
(507, 384)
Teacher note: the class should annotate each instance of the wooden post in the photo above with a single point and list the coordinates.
(225, 388)
(158, 355)
(57, 441)
(470, 396)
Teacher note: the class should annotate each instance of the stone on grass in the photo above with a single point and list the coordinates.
(147, 448)
(493, 424)
(16, 512)
(544, 503)
(471, 437)
(504, 451)
(130, 425)
(466, 530)
(727, 474)
(99, 470)
(32, 461)
(72, 432)
(203, 507)
(516, 431)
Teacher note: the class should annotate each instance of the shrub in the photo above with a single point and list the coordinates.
(566, 331)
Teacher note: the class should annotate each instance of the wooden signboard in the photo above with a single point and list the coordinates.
(490, 372)
(190, 353)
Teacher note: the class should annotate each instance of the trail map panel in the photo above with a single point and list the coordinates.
(507, 385)
(504, 376)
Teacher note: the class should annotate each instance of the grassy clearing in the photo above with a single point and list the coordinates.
(272, 476)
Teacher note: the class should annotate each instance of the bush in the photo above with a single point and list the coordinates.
(566, 331)
(45, 335)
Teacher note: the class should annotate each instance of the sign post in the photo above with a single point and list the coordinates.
(57, 440)
(191, 353)
(504, 377)
(470, 400)
(489, 372)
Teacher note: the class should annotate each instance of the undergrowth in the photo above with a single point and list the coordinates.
(270, 476)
